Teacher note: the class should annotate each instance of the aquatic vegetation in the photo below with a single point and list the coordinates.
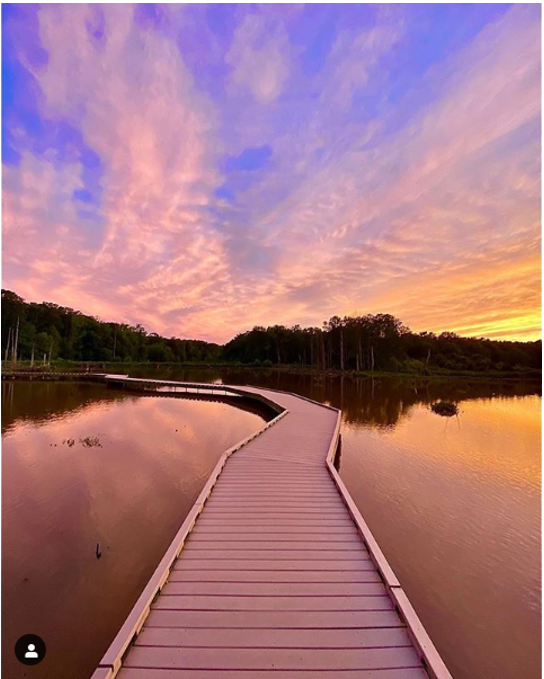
(445, 408)
(91, 442)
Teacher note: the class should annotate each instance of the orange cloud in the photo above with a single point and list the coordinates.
(428, 211)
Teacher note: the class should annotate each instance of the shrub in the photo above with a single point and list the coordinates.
(393, 365)
(445, 408)
(412, 365)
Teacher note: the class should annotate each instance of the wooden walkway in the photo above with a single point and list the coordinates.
(274, 574)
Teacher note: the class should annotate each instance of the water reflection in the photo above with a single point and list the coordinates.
(129, 494)
(41, 401)
(368, 401)
(454, 503)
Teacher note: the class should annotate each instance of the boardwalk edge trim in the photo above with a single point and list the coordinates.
(112, 660)
(433, 663)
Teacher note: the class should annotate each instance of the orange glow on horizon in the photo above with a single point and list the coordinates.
(246, 190)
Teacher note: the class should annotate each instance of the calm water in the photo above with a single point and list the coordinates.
(454, 503)
(130, 494)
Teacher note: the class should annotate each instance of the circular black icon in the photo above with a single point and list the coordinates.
(30, 649)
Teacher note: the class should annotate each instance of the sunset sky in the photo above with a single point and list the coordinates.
(204, 169)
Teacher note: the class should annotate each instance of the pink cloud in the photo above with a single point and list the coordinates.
(259, 58)
(434, 221)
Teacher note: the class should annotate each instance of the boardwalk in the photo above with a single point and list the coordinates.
(274, 574)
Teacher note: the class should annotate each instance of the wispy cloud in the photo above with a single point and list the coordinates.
(259, 57)
(278, 170)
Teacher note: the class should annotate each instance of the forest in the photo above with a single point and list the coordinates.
(42, 333)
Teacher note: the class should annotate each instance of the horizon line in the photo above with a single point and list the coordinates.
(271, 325)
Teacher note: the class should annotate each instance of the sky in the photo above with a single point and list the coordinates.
(202, 169)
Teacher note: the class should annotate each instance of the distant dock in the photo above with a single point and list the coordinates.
(274, 574)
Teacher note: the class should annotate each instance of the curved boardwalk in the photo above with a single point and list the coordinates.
(274, 574)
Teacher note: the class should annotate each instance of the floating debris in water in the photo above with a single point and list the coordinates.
(91, 442)
(445, 408)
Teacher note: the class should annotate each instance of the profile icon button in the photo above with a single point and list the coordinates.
(31, 653)
(30, 649)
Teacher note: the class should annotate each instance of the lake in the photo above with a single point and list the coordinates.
(453, 502)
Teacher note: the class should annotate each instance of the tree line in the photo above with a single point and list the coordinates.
(43, 332)
(379, 342)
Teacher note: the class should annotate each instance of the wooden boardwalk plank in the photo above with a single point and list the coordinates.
(270, 638)
(274, 619)
(340, 565)
(275, 589)
(212, 531)
(279, 552)
(329, 500)
(293, 506)
(305, 522)
(198, 602)
(273, 659)
(275, 492)
(389, 673)
(273, 512)
(222, 541)
(274, 576)
(287, 534)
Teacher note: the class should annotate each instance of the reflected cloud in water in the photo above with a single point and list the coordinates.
(129, 494)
